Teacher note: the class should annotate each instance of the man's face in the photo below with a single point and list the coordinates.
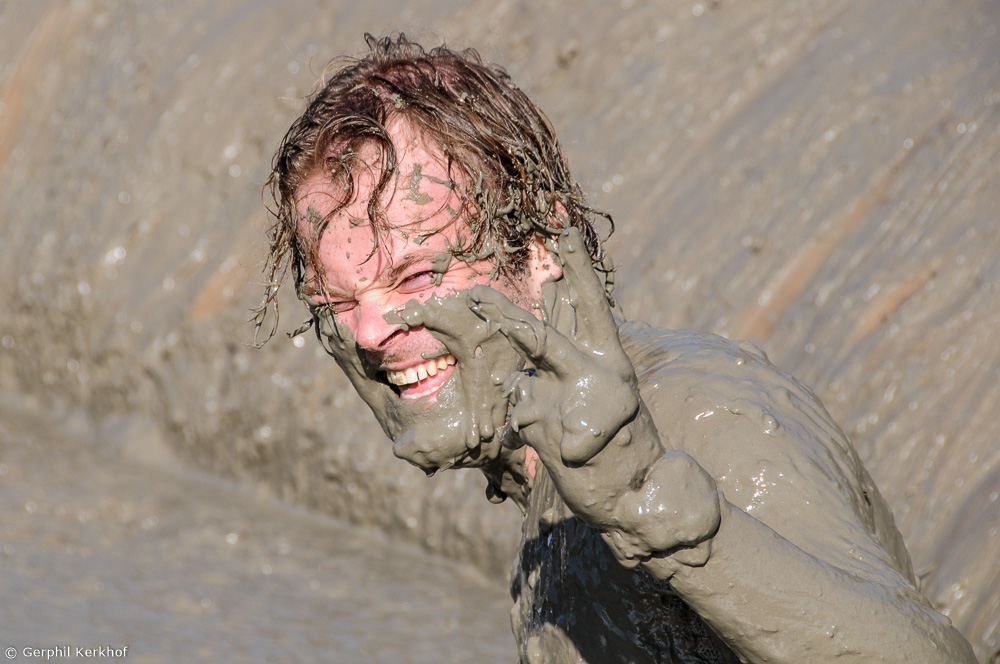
(413, 260)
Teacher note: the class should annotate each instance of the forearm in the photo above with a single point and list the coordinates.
(770, 601)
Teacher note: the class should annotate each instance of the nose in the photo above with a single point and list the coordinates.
(372, 330)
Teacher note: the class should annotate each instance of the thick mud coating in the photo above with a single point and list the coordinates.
(819, 177)
(773, 451)
(786, 520)
(574, 602)
(460, 429)
(770, 444)
(750, 531)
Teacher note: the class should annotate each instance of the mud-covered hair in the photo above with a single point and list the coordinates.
(502, 156)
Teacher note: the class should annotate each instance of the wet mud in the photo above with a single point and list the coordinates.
(817, 177)
(108, 542)
(778, 499)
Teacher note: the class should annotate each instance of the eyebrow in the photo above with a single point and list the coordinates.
(406, 263)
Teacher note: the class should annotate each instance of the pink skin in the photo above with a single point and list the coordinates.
(362, 287)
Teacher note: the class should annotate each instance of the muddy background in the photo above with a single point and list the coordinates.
(821, 177)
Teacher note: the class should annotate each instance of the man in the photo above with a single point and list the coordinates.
(683, 500)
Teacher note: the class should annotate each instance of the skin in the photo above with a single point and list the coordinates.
(451, 419)
(806, 568)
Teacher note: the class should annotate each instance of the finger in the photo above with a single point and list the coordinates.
(596, 326)
(579, 447)
(450, 320)
(528, 423)
(516, 386)
(524, 415)
(535, 340)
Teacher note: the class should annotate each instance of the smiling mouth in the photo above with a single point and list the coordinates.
(422, 379)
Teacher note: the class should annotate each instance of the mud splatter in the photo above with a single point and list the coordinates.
(414, 193)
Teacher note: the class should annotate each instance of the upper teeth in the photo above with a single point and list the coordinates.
(419, 372)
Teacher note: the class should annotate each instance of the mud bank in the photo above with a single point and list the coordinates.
(817, 177)
(105, 544)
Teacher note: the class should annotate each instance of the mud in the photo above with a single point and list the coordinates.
(748, 425)
(754, 493)
(108, 541)
(818, 177)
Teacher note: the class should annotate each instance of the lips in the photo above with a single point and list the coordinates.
(422, 379)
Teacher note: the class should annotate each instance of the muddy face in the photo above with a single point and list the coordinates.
(439, 397)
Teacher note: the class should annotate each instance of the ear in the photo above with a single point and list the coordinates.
(542, 266)
(559, 217)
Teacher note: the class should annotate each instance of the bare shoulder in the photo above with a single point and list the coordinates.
(769, 442)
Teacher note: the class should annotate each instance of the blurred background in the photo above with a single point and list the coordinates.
(821, 177)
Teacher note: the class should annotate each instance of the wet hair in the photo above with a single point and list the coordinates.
(502, 156)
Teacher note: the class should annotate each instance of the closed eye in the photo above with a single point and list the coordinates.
(419, 281)
(335, 307)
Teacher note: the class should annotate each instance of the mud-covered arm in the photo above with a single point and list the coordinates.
(770, 601)
(579, 408)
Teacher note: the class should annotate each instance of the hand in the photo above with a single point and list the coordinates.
(578, 405)
(575, 400)
(578, 392)
(459, 427)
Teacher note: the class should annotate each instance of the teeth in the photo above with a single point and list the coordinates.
(420, 372)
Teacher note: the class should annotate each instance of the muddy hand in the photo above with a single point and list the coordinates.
(483, 359)
(580, 391)
(431, 435)
(578, 406)
(450, 321)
